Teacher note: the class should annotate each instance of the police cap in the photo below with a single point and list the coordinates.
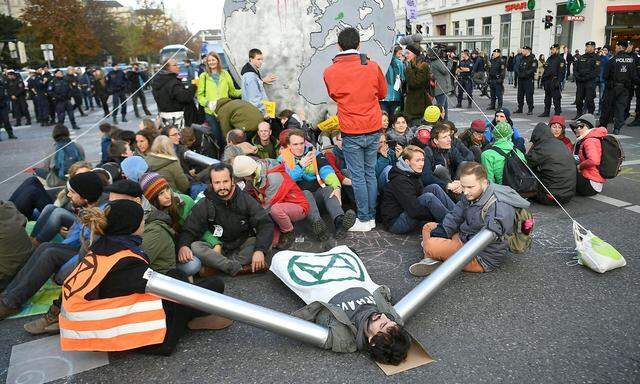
(623, 43)
(590, 43)
(527, 47)
(557, 46)
(497, 50)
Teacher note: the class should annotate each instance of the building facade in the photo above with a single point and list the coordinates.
(508, 25)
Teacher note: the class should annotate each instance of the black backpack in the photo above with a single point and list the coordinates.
(612, 157)
(515, 173)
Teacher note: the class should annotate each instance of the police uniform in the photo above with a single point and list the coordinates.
(464, 82)
(76, 94)
(496, 80)
(553, 74)
(636, 120)
(60, 90)
(586, 70)
(47, 78)
(620, 75)
(18, 94)
(4, 108)
(526, 71)
(41, 99)
(117, 87)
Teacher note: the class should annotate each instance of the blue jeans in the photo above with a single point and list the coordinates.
(88, 98)
(216, 131)
(189, 268)
(444, 101)
(383, 178)
(360, 154)
(435, 199)
(600, 95)
(50, 221)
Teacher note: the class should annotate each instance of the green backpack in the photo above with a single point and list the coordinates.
(520, 239)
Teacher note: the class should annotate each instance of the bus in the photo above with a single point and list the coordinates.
(181, 53)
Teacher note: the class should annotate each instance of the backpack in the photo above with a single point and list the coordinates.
(65, 157)
(516, 174)
(612, 157)
(520, 240)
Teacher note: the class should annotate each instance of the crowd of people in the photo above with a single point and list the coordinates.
(396, 162)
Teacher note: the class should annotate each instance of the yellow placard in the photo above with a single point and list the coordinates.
(330, 124)
(269, 108)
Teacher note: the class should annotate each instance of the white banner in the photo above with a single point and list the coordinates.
(412, 9)
(321, 276)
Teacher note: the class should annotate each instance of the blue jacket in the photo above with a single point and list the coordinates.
(104, 147)
(603, 63)
(252, 87)
(116, 81)
(396, 68)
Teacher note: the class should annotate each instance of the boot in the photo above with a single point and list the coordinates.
(213, 322)
(320, 229)
(286, 240)
(544, 114)
(146, 112)
(491, 107)
(48, 323)
(343, 223)
(634, 123)
(459, 105)
(530, 111)
(519, 110)
(12, 136)
(246, 270)
(75, 126)
(124, 119)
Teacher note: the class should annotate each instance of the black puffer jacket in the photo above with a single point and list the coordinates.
(401, 195)
(240, 217)
(171, 94)
(552, 163)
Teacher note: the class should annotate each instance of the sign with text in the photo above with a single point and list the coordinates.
(519, 6)
(573, 18)
(412, 9)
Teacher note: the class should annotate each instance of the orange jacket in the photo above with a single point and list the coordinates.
(357, 88)
(113, 324)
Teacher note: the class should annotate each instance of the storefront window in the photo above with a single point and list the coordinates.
(527, 29)
(486, 26)
(505, 32)
(470, 25)
(456, 28)
(485, 46)
(623, 26)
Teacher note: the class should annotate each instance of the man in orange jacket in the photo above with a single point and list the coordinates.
(357, 84)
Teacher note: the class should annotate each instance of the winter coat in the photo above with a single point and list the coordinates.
(382, 162)
(211, 90)
(442, 78)
(169, 168)
(253, 87)
(448, 158)
(240, 217)
(335, 163)
(158, 241)
(466, 220)
(273, 185)
(357, 89)
(567, 143)
(461, 147)
(237, 114)
(135, 80)
(416, 100)
(263, 153)
(314, 175)
(116, 81)
(15, 246)
(171, 94)
(396, 68)
(549, 159)
(493, 162)
(589, 151)
(403, 139)
(510, 63)
(53, 177)
(401, 195)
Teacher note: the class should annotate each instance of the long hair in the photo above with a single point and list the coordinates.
(173, 210)
(162, 145)
(218, 68)
(95, 220)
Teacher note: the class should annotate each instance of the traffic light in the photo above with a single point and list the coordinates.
(548, 21)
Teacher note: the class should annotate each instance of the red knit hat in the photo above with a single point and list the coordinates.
(478, 125)
(152, 183)
(423, 134)
(557, 119)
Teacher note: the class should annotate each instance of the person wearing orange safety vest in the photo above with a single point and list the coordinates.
(104, 303)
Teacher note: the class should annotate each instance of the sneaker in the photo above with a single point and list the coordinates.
(424, 267)
(6, 311)
(47, 324)
(360, 226)
(320, 230)
(344, 222)
(372, 223)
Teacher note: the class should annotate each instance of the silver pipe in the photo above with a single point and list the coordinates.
(200, 159)
(219, 304)
(419, 295)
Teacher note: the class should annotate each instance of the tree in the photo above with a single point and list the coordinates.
(64, 24)
(9, 28)
(105, 28)
(131, 42)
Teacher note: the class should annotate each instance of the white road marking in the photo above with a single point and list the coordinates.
(610, 201)
(634, 208)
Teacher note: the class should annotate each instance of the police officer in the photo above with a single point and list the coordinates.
(31, 83)
(551, 77)
(40, 98)
(18, 95)
(60, 89)
(136, 79)
(117, 86)
(496, 78)
(76, 93)
(586, 70)
(636, 58)
(4, 108)
(527, 68)
(620, 74)
(47, 77)
(464, 78)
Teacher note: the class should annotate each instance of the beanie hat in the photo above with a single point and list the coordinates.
(504, 110)
(503, 130)
(587, 119)
(244, 166)
(413, 49)
(123, 217)
(478, 125)
(557, 119)
(423, 135)
(152, 183)
(133, 167)
(431, 114)
(88, 185)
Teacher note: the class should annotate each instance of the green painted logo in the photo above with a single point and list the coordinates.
(323, 269)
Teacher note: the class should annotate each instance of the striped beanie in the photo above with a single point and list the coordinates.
(152, 183)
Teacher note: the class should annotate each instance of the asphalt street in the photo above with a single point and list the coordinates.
(537, 319)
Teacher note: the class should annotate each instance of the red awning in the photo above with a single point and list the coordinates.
(623, 8)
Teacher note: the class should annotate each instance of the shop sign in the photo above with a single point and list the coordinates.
(573, 18)
(519, 6)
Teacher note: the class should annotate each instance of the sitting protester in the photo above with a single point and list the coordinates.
(267, 145)
(144, 140)
(162, 159)
(358, 312)
(118, 284)
(237, 145)
(15, 247)
(105, 140)
(385, 121)
(236, 218)
(442, 159)
(118, 151)
(237, 114)
(503, 114)
(387, 158)
(335, 156)
(66, 153)
(588, 155)
(557, 126)
(133, 167)
(406, 204)
(292, 120)
(484, 205)
(399, 132)
(315, 176)
(493, 161)
(553, 165)
(456, 143)
(432, 115)
(276, 192)
(474, 138)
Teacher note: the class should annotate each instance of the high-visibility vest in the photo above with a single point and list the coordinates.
(113, 324)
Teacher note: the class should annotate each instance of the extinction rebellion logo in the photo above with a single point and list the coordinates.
(323, 269)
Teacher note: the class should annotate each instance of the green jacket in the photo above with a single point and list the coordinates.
(238, 114)
(416, 100)
(207, 237)
(209, 90)
(342, 335)
(15, 246)
(262, 152)
(493, 162)
(169, 168)
(158, 241)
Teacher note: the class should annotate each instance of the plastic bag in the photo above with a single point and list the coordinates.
(595, 253)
